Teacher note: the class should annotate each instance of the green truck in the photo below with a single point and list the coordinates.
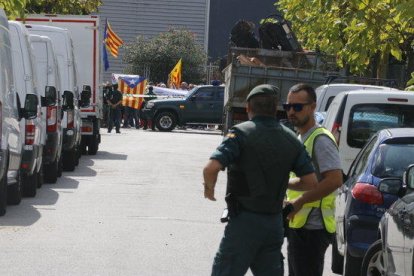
(202, 105)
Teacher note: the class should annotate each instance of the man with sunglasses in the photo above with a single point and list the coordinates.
(312, 225)
(258, 155)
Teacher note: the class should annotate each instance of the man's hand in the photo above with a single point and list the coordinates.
(297, 205)
(209, 192)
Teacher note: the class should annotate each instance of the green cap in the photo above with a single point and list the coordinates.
(264, 89)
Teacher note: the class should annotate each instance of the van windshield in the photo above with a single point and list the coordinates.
(367, 119)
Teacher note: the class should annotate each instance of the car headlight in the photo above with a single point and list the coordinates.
(149, 105)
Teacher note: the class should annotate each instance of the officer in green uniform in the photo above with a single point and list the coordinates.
(258, 155)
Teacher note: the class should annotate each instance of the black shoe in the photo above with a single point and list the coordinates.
(145, 128)
(109, 131)
(117, 131)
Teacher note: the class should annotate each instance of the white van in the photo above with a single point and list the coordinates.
(63, 48)
(354, 116)
(10, 113)
(49, 86)
(31, 127)
(327, 92)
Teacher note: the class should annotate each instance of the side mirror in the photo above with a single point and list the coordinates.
(30, 106)
(68, 101)
(409, 177)
(50, 97)
(390, 185)
(85, 96)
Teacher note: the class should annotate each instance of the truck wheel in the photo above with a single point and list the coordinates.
(3, 194)
(40, 176)
(78, 155)
(166, 121)
(29, 183)
(69, 160)
(51, 172)
(14, 191)
(93, 145)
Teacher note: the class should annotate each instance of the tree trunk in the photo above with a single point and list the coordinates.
(382, 65)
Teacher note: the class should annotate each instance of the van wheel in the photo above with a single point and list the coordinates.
(373, 262)
(78, 155)
(29, 184)
(60, 166)
(166, 121)
(69, 160)
(51, 171)
(14, 191)
(3, 194)
(352, 265)
(337, 259)
(40, 176)
(93, 145)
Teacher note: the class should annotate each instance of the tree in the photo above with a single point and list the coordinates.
(13, 8)
(63, 6)
(361, 33)
(161, 53)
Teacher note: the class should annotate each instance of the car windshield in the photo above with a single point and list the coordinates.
(367, 119)
(393, 159)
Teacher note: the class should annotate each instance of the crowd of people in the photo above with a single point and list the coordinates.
(118, 116)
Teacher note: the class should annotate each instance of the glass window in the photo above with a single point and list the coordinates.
(328, 103)
(393, 159)
(367, 119)
(205, 94)
(362, 162)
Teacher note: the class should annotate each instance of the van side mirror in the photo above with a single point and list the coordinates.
(390, 186)
(85, 96)
(50, 97)
(409, 177)
(30, 106)
(68, 101)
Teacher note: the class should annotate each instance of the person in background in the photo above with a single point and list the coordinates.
(115, 103)
(259, 154)
(184, 86)
(150, 95)
(311, 228)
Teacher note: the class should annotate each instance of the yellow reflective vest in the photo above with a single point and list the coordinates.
(326, 204)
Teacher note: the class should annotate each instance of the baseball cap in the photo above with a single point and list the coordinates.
(264, 89)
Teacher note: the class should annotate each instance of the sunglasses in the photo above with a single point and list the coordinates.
(297, 107)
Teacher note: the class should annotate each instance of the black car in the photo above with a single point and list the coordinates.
(202, 105)
(393, 253)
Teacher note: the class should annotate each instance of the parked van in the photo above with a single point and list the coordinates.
(10, 112)
(63, 48)
(327, 92)
(32, 126)
(354, 116)
(49, 86)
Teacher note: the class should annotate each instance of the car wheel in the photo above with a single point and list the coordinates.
(352, 265)
(51, 171)
(14, 191)
(373, 262)
(337, 264)
(166, 121)
(3, 194)
(29, 183)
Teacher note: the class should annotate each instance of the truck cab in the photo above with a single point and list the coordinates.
(202, 105)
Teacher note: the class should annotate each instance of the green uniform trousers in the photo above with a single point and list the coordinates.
(251, 240)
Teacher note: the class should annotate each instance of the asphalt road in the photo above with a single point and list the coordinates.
(136, 208)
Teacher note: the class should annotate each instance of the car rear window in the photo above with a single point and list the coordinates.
(393, 159)
(367, 119)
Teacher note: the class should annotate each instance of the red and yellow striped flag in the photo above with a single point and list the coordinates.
(131, 87)
(112, 40)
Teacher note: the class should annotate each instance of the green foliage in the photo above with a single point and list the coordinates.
(13, 8)
(356, 31)
(63, 6)
(161, 53)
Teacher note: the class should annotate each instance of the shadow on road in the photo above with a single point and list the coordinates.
(105, 155)
(195, 131)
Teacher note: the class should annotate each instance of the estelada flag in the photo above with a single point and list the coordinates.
(112, 40)
(131, 88)
(174, 78)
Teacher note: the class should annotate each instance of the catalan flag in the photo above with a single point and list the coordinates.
(174, 78)
(112, 40)
(131, 87)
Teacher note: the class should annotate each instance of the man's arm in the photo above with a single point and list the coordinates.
(304, 183)
(210, 173)
(331, 180)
